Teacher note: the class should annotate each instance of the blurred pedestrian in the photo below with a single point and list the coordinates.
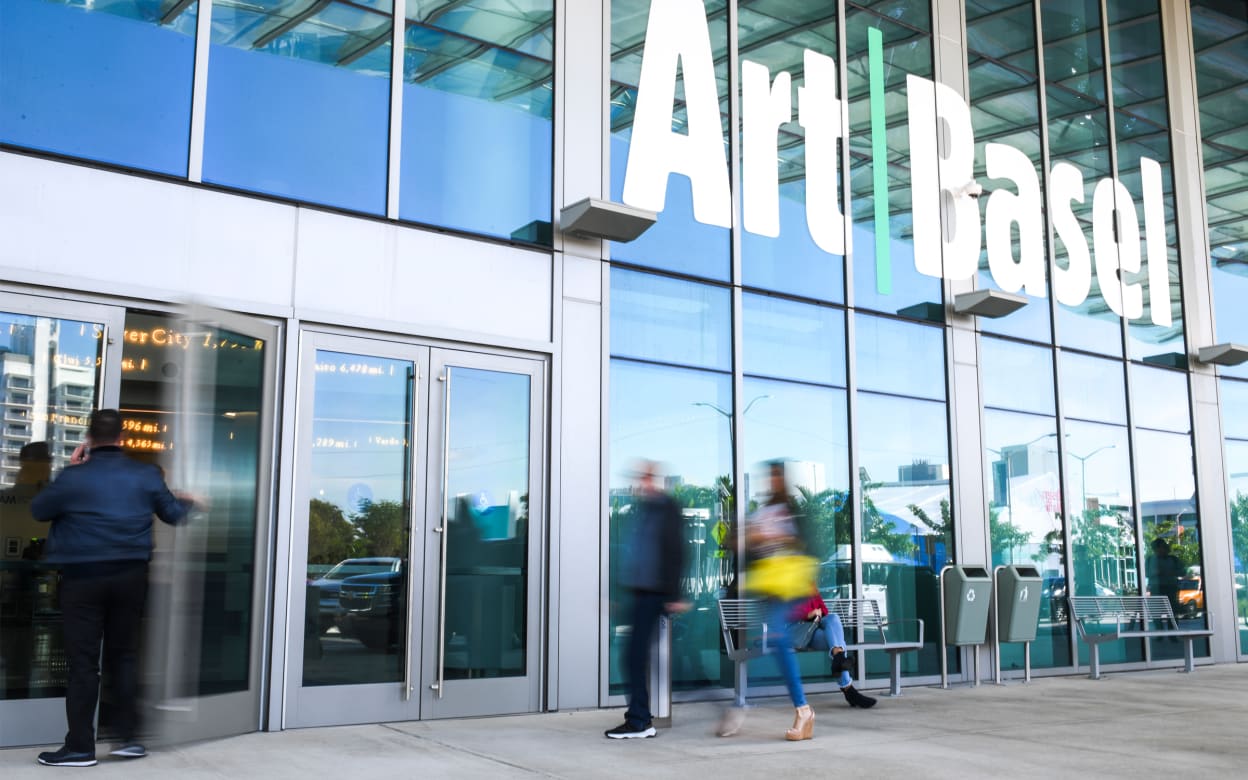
(1163, 571)
(779, 569)
(101, 508)
(653, 563)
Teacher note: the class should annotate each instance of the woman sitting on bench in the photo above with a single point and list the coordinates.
(827, 633)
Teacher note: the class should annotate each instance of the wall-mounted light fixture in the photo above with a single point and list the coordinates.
(604, 219)
(1227, 354)
(988, 303)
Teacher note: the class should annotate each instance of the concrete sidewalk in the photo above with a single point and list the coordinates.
(1128, 724)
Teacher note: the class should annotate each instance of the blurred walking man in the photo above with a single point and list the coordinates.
(653, 564)
(101, 511)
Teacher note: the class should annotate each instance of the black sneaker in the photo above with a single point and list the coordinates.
(67, 757)
(129, 750)
(627, 730)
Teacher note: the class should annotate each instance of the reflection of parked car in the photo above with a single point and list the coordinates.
(1191, 596)
(331, 581)
(372, 608)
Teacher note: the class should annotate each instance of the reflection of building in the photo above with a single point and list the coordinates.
(45, 395)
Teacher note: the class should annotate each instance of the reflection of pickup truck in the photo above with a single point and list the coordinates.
(329, 582)
(372, 609)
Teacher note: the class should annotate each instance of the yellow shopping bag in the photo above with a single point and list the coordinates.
(782, 576)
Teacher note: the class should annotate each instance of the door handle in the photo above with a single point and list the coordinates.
(410, 573)
(445, 379)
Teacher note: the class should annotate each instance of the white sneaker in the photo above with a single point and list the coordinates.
(129, 750)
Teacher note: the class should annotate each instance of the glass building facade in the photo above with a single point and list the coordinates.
(408, 385)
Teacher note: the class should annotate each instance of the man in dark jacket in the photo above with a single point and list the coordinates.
(652, 569)
(101, 511)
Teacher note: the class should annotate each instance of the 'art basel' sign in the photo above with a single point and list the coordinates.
(677, 36)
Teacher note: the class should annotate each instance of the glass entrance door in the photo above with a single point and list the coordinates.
(58, 362)
(416, 576)
(482, 638)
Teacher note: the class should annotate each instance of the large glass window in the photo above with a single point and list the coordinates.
(1078, 131)
(671, 402)
(108, 81)
(1099, 500)
(794, 410)
(1024, 501)
(1005, 109)
(477, 104)
(1235, 427)
(299, 100)
(885, 41)
(1218, 32)
(1142, 132)
(776, 35)
(903, 480)
(678, 242)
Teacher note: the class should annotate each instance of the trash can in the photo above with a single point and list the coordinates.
(661, 675)
(1018, 602)
(968, 596)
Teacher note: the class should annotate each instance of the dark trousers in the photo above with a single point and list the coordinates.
(108, 608)
(647, 609)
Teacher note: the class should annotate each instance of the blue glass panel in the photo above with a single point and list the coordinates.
(299, 105)
(477, 132)
(111, 82)
(1017, 376)
(670, 320)
(1093, 389)
(790, 340)
(1159, 399)
(900, 357)
(1234, 408)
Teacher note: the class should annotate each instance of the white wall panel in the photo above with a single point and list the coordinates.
(87, 229)
(419, 279)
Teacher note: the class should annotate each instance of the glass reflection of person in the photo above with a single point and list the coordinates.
(1164, 571)
(34, 470)
(18, 579)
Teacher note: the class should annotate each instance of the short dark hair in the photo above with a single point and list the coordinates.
(105, 425)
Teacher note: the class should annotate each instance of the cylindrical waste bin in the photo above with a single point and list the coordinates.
(661, 675)
(1018, 602)
(968, 595)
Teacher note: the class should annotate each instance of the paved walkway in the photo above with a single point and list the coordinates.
(1139, 724)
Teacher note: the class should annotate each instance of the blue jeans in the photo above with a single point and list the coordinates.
(830, 634)
(647, 609)
(778, 612)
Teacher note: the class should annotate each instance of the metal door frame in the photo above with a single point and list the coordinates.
(368, 702)
(42, 721)
(488, 696)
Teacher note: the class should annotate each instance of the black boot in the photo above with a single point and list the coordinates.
(843, 662)
(857, 698)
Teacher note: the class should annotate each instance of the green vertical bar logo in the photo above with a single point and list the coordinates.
(879, 162)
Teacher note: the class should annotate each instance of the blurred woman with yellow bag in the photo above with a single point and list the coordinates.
(780, 570)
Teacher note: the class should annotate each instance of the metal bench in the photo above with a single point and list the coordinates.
(746, 634)
(1134, 617)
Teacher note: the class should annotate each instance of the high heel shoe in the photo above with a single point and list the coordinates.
(803, 724)
(857, 698)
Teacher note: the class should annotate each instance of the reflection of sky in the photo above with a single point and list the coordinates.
(1159, 398)
(895, 432)
(1100, 454)
(653, 416)
(361, 427)
(798, 422)
(76, 342)
(1234, 408)
(900, 357)
(1093, 388)
(791, 340)
(1164, 463)
(670, 320)
(489, 437)
(97, 85)
(1016, 376)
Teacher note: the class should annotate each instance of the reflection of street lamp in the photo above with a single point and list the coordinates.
(732, 441)
(1083, 471)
